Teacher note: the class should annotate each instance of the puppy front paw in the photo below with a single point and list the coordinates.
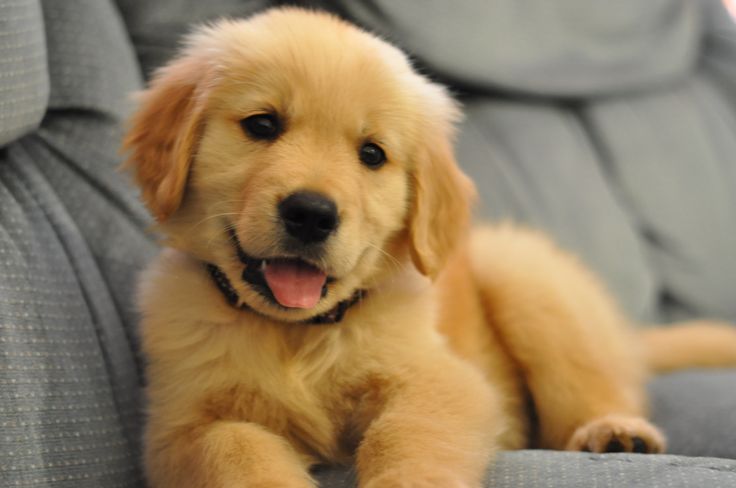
(617, 433)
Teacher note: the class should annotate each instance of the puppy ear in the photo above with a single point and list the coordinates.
(164, 132)
(442, 197)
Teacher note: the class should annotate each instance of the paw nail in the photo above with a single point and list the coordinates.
(638, 445)
(615, 445)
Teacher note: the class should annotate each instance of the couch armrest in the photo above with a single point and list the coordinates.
(24, 79)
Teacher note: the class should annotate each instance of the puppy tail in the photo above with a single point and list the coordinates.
(697, 344)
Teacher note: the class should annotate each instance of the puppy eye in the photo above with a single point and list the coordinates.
(262, 126)
(372, 155)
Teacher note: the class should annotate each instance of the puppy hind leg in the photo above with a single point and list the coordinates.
(577, 354)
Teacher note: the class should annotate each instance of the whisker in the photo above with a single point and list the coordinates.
(399, 266)
(227, 226)
(210, 217)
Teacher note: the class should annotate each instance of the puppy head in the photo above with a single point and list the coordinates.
(301, 154)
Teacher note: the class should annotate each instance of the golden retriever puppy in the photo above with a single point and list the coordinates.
(321, 299)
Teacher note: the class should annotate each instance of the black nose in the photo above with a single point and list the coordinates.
(308, 216)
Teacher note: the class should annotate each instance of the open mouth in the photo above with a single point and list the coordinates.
(289, 282)
(286, 281)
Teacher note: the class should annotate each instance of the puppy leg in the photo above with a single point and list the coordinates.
(436, 429)
(225, 455)
(580, 360)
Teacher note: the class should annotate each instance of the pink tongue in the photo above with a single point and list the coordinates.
(295, 284)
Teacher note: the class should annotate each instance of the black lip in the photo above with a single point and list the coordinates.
(253, 274)
(254, 277)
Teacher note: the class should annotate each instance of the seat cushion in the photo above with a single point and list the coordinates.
(697, 411)
(542, 469)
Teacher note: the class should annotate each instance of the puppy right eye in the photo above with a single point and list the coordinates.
(262, 126)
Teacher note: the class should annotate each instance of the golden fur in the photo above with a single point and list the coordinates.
(459, 334)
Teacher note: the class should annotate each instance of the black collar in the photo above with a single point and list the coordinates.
(332, 316)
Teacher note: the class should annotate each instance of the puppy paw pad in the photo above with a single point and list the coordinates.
(615, 433)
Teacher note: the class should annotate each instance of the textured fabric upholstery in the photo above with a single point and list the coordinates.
(532, 469)
(24, 83)
(71, 242)
(91, 62)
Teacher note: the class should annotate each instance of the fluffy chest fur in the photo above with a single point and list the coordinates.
(316, 385)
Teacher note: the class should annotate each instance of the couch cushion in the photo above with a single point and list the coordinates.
(559, 48)
(91, 62)
(543, 469)
(534, 163)
(156, 28)
(718, 55)
(24, 82)
(670, 155)
(697, 411)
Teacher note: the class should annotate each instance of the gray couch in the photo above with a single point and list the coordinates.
(612, 125)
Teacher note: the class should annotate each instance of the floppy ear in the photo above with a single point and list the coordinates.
(440, 209)
(164, 132)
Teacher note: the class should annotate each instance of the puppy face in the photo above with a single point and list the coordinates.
(302, 156)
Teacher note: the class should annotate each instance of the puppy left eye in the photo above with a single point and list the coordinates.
(262, 126)
(372, 155)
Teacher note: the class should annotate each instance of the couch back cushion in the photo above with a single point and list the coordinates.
(669, 155)
(539, 47)
(534, 163)
(156, 28)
